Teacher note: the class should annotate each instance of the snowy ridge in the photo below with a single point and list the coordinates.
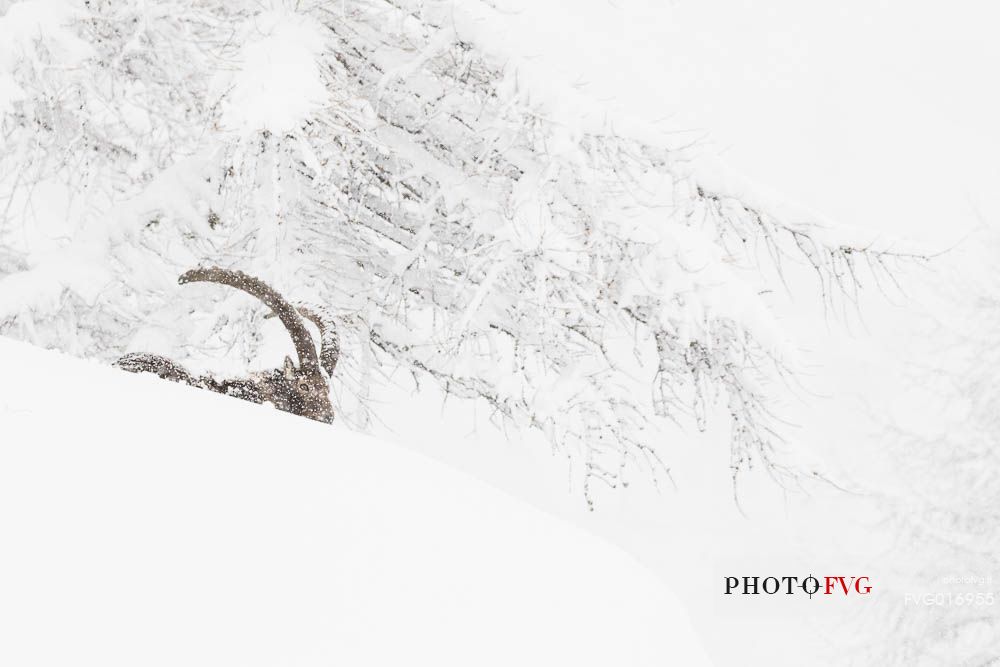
(150, 523)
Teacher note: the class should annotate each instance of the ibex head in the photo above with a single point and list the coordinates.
(302, 389)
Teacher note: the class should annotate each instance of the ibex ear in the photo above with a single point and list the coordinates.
(289, 368)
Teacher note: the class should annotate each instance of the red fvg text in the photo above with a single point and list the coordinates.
(790, 585)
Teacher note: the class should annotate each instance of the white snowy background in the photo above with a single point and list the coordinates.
(880, 115)
(227, 535)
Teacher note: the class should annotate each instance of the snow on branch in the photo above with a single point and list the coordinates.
(463, 216)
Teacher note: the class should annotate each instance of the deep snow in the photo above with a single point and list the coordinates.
(845, 130)
(147, 523)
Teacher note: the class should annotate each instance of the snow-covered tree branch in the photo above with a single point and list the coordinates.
(940, 498)
(463, 217)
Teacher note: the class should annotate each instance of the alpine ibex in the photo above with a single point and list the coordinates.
(302, 390)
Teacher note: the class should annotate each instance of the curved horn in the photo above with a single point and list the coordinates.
(304, 346)
(329, 352)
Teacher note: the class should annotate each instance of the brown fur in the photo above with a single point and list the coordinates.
(301, 389)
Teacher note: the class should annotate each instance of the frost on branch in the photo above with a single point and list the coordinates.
(940, 499)
(467, 219)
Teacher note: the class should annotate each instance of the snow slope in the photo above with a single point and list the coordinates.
(146, 523)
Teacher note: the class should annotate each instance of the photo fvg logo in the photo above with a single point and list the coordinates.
(791, 585)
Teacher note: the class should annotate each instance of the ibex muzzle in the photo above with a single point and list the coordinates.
(301, 389)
